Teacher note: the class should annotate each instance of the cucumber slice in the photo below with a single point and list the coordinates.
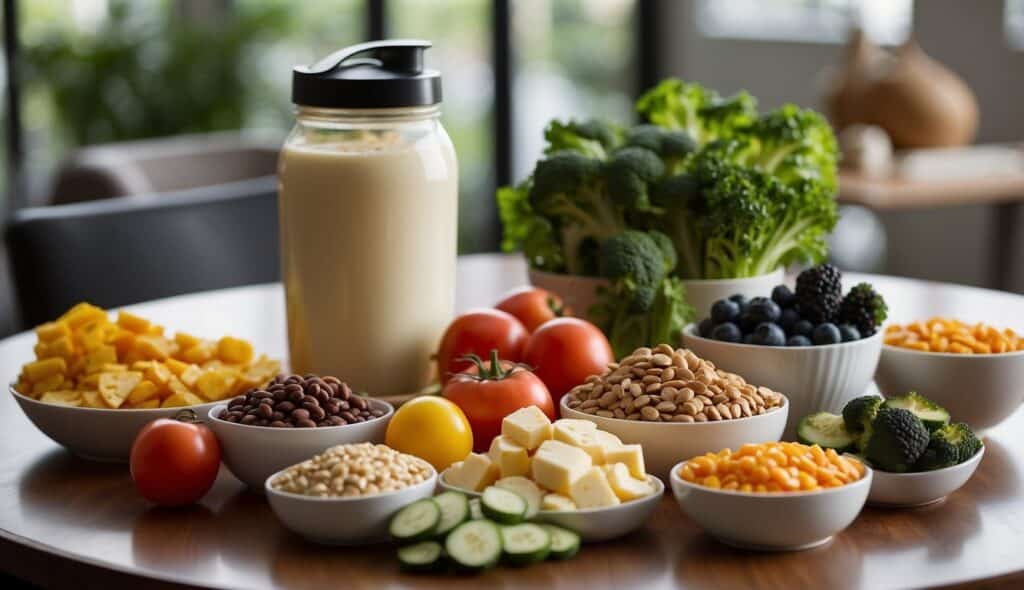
(475, 512)
(932, 414)
(474, 545)
(526, 489)
(416, 522)
(564, 543)
(454, 511)
(420, 557)
(503, 506)
(525, 543)
(825, 430)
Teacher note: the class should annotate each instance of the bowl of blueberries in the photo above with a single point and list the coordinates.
(814, 344)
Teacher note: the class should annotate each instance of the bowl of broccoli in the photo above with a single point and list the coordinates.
(645, 222)
(918, 454)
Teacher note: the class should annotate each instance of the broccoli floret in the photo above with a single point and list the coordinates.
(961, 435)
(939, 453)
(859, 412)
(931, 414)
(628, 330)
(634, 263)
(667, 248)
(594, 138)
(896, 440)
(698, 111)
(672, 146)
(630, 174)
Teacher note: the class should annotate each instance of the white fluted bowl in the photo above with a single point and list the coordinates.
(814, 378)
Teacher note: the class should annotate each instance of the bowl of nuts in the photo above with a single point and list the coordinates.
(675, 404)
(291, 419)
(347, 494)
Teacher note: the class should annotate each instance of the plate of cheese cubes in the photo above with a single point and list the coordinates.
(569, 473)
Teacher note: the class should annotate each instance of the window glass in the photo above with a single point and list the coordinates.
(1014, 23)
(885, 21)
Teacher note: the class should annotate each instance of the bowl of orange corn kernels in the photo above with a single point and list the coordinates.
(974, 370)
(780, 496)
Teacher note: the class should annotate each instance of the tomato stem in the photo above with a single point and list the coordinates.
(494, 373)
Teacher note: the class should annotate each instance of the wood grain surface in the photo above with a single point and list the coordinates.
(65, 522)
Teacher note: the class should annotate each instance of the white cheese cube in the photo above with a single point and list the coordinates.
(557, 465)
(598, 444)
(592, 490)
(510, 458)
(625, 486)
(473, 473)
(573, 432)
(557, 502)
(631, 455)
(527, 427)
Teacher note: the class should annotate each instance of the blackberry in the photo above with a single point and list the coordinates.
(819, 292)
(864, 309)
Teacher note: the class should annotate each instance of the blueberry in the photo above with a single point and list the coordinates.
(740, 300)
(783, 297)
(802, 328)
(848, 332)
(827, 333)
(727, 332)
(725, 311)
(798, 341)
(769, 334)
(748, 338)
(789, 319)
(705, 326)
(763, 310)
(747, 323)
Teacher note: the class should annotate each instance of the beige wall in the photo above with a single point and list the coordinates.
(949, 244)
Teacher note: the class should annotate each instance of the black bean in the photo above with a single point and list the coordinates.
(348, 416)
(316, 413)
(248, 419)
(300, 414)
(331, 406)
(359, 402)
(238, 401)
(310, 400)
(265, 411)
(345, 392)
(285, 407)
(232, 419)
(278, 424)
(307, 423)
(336, 420)
(377, 413)
(277, 415)
(260, 394)
(344, 405)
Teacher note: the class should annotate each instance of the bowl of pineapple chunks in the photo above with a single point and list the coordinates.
(96, 381)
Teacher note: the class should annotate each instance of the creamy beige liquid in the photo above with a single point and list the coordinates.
(368, 235)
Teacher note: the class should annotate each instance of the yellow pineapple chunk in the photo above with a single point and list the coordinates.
(132, 322)
(40, 370)
(116, 387)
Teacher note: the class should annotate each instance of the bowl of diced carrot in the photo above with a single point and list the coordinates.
(777, 496)
(975, 370)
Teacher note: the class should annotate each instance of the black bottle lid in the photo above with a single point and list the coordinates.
(375, 75)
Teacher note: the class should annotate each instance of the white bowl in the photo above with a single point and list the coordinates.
(252, 453)
(344, 521)
(96, 434)
(772, 521)
(593, 524)
(918, 489)
(580, 292)
(979, 389)
(665, 443)
(815, 378)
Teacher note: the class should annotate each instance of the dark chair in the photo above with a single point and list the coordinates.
(120, 251)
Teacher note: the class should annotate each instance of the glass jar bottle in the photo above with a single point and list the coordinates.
(368, 207)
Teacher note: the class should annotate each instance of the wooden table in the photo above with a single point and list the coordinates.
(1005, 194)
(65, 522)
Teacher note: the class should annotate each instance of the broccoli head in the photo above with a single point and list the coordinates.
(594, 138)
(961, 435)
(630, 174)
(700, 112)
(672, 146)
(938, 454)
(895, 440)
(859, 412)
(628, 330)
(635, 262)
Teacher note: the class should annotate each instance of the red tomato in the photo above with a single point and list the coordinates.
(532, 306)
(478, 332)
(175, 461)
(565, 351)
(488, 392)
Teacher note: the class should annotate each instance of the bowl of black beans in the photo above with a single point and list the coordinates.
(291, 419)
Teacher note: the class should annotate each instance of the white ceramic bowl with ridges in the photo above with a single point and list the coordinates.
(979, 389)
(580, 292)
(343, 521)
(252, 453)
(904, 490)
(773, 521)
(665, 443)
(95, 434)
(814, 378)
(593, 524)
